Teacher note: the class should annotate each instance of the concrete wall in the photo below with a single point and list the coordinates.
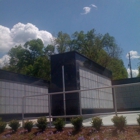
(127, 97)
(95, 99)
(11, 98)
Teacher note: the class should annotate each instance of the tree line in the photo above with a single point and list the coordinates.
(33, 58)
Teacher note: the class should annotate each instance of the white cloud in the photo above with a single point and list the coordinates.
(5, 39)
(133, 55)
(135, 72)
(4, 60)
(19, 34)
(86, 10)
(93, 5)
(24, 32)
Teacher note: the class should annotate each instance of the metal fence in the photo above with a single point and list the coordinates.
(118, 91)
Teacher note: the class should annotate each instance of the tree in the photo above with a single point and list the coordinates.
(101, 49)
(110, 46)
(77, 41)
(88, 44)
(118, 69)
(19, 58)
(62, 42)
(36, 47)
(40, 68)
(30, 59)
(33, 58)
(49, 50)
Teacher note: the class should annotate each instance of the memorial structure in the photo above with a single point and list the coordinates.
(13, 87)
(127, 97)
(80, 73)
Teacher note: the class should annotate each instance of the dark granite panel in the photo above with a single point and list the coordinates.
(71, 62)
(92, 111)
(19, 78)
(127, 98)
(72, 104)
(72, 107)
(82, 61)
(8, 117)
(68, 61)
(126, 81)
(57, 106)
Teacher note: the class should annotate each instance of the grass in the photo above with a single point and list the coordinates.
(86, 133)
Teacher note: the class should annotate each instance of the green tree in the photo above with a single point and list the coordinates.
(117, 68)
(62, 42)
(33, 58)
(30, 59)
(88, 44)
(36, 48)
(77, 41)
(40, 68)
(19, 58)
(49, 50)
(110, 46)
(101, 49)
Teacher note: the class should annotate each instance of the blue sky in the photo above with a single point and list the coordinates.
(119, 18)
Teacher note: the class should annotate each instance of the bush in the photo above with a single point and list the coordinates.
(14, 124)
(2, 126)
(42, 123)
(138, 120)
(77, 122)
(59, 124)
(28, 125)
(119, 122)
(97, 123)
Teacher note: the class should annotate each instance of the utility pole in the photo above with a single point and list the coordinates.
(130, 65)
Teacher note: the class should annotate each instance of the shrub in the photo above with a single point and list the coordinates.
(138, 120)
(2, 125)
(77, 122)
(97, 123)
(42, 123)
(59, 124)
(119, 122)
(28, 125)
(14, 124)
